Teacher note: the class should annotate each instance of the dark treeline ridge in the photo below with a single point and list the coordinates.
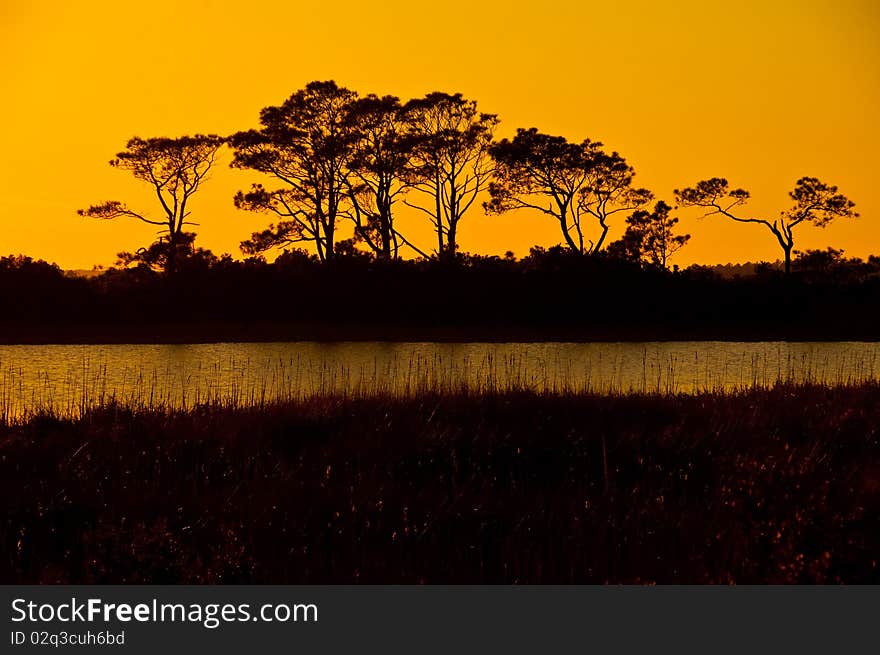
(765, 486)
(331, 170)
(549, 295)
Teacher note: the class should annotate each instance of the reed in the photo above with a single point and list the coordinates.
(240, 380)
(775, 484)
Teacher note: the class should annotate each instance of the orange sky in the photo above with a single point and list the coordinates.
(759, 92)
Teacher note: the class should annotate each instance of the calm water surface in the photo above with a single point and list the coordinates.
(67, 378)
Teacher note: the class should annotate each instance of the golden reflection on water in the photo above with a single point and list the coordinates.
(67, 379)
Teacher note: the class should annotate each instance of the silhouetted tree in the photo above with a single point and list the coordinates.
(818, 260)
(450, 162)
(381, 171)
(650, 237)
(608, 189)
(831, 266)
(627, 247)
(175, 168)
(305, 144)
(814, 202)
(567, 181)
(163, 255)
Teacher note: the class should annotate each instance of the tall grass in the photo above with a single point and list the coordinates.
(778, 484)
(91, 378)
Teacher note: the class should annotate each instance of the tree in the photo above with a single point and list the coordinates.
(305, 144)
(450, 161)
(821, 261)
(380, 171)
(567, 181)
(162, 255)
(814, 202)
(176, 169)
(608, 189)
(650, 236)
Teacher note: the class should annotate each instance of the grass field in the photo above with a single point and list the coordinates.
(762, 486)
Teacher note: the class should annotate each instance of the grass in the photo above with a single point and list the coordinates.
(70, 381)
(774, 485)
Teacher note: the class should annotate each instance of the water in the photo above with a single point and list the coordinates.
(66, 379)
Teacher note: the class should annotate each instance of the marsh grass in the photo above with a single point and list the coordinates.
(763, 485)
(89, 381)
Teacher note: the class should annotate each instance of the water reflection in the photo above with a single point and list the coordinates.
(66, 378)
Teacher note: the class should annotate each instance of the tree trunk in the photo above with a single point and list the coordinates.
(171, 255)
(329, 245)
(450, 242)
(441, 246)
(438, 212)
(567, 236)
(386, 237)
(601, 240)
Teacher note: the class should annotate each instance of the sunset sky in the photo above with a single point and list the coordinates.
(760, 92)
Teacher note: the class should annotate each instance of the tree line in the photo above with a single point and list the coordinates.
(335, 166)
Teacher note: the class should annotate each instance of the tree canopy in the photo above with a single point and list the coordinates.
(304, 144)
(450, 162)
(814, 202)
(334, 168)
(176, 169)
(570, 182)
(650, 237)
(380, 166)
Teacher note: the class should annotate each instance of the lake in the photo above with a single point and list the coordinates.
(68, 378)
